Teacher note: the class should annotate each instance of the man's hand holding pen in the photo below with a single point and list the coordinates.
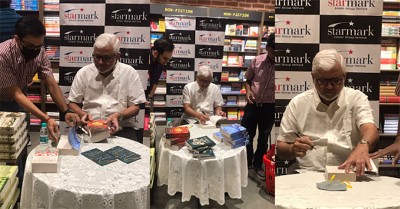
(203, 117)
(302, 145)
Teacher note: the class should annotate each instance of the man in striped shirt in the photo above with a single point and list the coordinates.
(260, 108)
(20, 59)
(8, 18)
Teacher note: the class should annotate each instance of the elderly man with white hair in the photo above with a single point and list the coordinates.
(108, 89)
(202, 98)
(330, 124)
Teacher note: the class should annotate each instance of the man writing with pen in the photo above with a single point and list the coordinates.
(330, 124)
(202, 98)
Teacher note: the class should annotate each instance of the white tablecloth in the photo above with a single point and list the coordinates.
(205, 179)
(81, 183)
(300, 191)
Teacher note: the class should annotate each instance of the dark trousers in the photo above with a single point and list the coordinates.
(131, 134)
(263, 117)
(14, 107)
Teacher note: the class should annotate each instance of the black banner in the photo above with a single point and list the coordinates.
(175, 89)
(181, 36)
(173, 10)
(235, 14)
(83, 36)
(297, 7)
(67, 75)
(210, 24)
(137, 58)
(295, 57)
(176, 63)
(368, 83)
(213, 52)
(174, 112)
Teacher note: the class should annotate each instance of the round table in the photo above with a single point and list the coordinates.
(205, 179)
(300, 191)
(81, 183)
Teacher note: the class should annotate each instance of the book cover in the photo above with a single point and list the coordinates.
(123, 154)
(45, 160)
(176, 132)
(207, 154)
(99, 157)
(202, 141)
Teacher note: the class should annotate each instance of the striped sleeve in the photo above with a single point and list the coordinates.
(44, 70)
(398, 87)
(8, 78)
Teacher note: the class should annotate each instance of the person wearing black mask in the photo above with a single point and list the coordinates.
(20, 59)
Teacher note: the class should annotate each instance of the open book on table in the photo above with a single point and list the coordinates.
(212, 123)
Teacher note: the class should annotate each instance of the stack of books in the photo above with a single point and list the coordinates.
(13, 135)
(234, 135)
(390, 123)
(9, 192)
(45, 159)
(176, 137)
(201, 147)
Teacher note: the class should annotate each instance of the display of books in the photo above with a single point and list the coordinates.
(199, 142)
(11, 122)
(45, 159)
(177, 132)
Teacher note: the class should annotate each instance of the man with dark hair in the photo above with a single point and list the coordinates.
(161, 53)
(260, 108)
(8, 18)
(20, 59)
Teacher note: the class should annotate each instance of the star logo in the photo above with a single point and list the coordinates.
(351, 51)
(81, 31)
(128, 32)
(287, 51)
(351, 23)
(126, 54)
(82, 9)
(81, 52)
(288, 22)
(287, 78)
(350, 80)
(129, 10)
(286, 162)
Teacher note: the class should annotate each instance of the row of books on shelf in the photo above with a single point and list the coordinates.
(52, 24)
(390, 59)
(157, 25)
(234, 113)
(390, 123)
(240, 45)
(51, 5)
(233, 75)
(236, 60)
(233, 88)
(246, 29)
(390, 29)
(53, 52)
(235, 101)
(25, 4)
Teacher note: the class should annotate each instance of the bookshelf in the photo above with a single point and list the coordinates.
(389, 103)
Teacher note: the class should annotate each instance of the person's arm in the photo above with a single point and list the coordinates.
(58, 98)
(219, 101)
(285, 150)
(124, 114)
(249, 77)
(152, 90)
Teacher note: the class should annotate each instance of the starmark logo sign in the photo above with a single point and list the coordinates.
(182, 52)
(176, 112)
(128, 16)
(352, 4)
(348, 30)
(294, 4)
(133, 61)
(207, 52)
(289, 88)
(366, 89)
(214, 67)
(208, 38)
(179, 37)
(180, 65)
(210, 25)
(77, 57)
(125, 38)
(176, 89)
(80, 15)
(180, 23)
(176, 101)
(69, 77)
(352, 60)
(179, 77)
(292, 32)
(289, 60)
(78, 36)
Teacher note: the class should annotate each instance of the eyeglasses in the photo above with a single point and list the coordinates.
(104, 58)
(31, 46)
(333, 81)
(204, 81)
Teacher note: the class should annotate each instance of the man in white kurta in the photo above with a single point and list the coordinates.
(108, 89)
(330, 124)
(202, 98)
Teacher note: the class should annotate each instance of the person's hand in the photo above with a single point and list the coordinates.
(358, 159)
(203, 118)
(53, 129)
(250, 97)
(302, 145)
(393, 149)
(113, 118)
(86, 118)
(220, 113)
(71, 119)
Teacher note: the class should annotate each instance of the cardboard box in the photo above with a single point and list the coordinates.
(340, 174)
(65, 148)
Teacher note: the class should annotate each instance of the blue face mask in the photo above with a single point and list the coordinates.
(74, 139)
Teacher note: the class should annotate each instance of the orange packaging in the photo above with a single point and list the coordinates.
(97, 124)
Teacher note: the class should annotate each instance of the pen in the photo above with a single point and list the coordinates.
(298, 135)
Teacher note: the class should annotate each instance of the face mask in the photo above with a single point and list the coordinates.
(30, 54)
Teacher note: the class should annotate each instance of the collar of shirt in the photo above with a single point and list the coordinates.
(115, 73)
(339, 100)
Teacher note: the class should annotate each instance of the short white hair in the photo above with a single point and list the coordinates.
(107, 39)
(205, 71)
(327, 59)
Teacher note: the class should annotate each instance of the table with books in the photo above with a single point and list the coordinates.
(87, 181)
(297, 191)
(206, 172)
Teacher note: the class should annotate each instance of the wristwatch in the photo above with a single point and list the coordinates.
(67, 111)
(363, 141)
